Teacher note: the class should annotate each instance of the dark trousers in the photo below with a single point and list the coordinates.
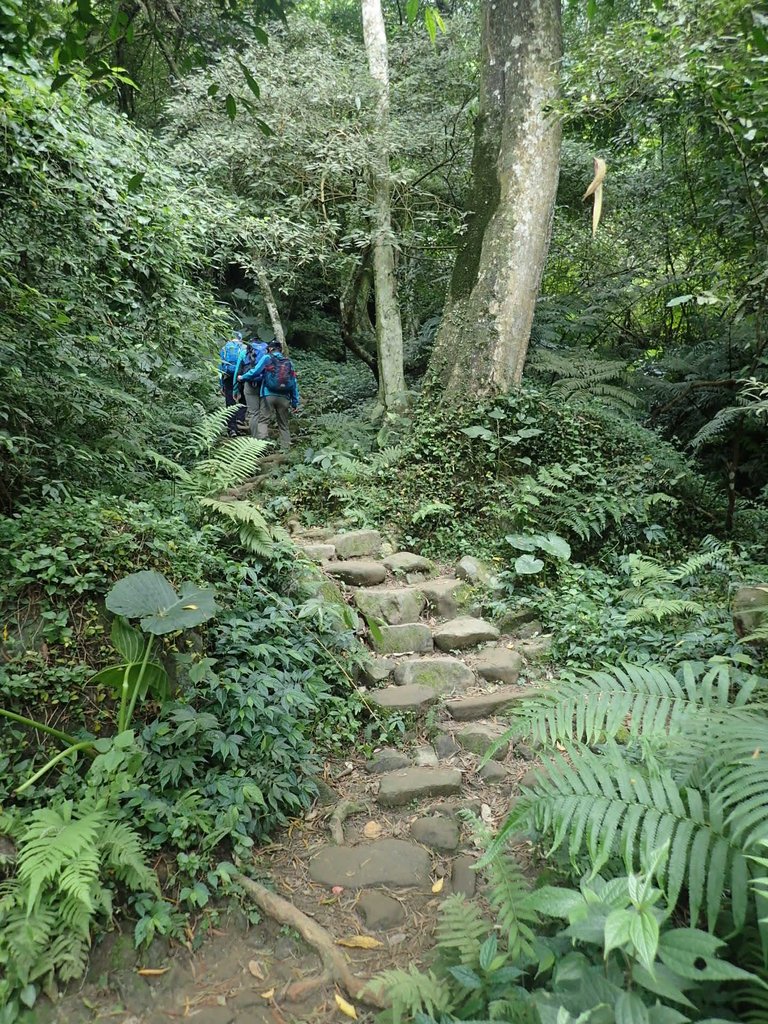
(238, 416)
(279, 408)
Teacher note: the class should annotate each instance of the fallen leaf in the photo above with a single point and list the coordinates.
(346, 1008)
(337, 890)
(221, 1000)
(268, 994)
(372, 830)
(397, 938)
(486, 814)
(438, 885)
(152, 972)
(360, 942)
(255, 968)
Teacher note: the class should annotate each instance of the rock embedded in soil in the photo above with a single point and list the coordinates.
(380, 911)
(473, 570)
(464, 877)
(357, 573)
(438, 833)
(384, 862)
(446, 596)
(406, 561)
(356, 543)
(442, 674)
(411, 637)
(459, 634)
(492, 772)
(466, 709)
(399, 788)
(528, 630)
(499, 665)
(376, 671)
(513, 618)
(319, 552)
(403, 698)
(480, 738)
(536, 647)
(750, 609)
(425, 757)
(446, 746)
(394, 607)
(387, 760)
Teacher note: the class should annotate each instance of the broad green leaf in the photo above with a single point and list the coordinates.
(556, 546)
(155, 678)
(692, 953)
(126, 640)
(644, 935)
(142, 593)
(556, 902)
(679, 300)
(194, 607)
(231, 105)
(478, 431)
(213, 89)
(466, 977)
(618, 929)
(412, 10)
(630, 1009)
(527, 565)
(488, 952)
(134, 184)
(521, 541)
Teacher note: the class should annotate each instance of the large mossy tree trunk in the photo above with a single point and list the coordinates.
(389, 331)
(483, 340)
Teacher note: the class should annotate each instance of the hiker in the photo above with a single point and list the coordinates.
(279, 392)
(230, 355)
(250, 389)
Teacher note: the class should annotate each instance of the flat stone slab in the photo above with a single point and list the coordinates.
(446, 596)
(479, 738)
(442, 674)
(358, 573)
(385, 862)
(356, 543)
(387, 760)
(403, 698)
(406, 561)
(411, 637)
(464, 877)
(399, 788)
(394, 607)
(499, 665)
(492, 773)
(473, 570)
(486, 705)
(377, 670)
(379, 910)
(319, 552)
(438, 833)
(425, 756)
(458, 634)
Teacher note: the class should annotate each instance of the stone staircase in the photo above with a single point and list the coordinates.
(430, 651)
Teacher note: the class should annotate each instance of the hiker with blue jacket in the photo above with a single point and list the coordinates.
(250, 390)
(230, 356)
(278, 392)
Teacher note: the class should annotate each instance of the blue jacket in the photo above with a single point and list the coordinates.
(246, 354)
(258, 369)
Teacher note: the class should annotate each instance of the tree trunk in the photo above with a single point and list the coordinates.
(269, 301)
(355, 333)
(389, 331)
(483, 340)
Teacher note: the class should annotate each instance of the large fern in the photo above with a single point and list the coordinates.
(509, 893)
(603, 806)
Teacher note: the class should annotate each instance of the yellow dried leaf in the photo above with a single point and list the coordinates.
(346, 1008)
(360, 942)
(372, 830)
(189, 607)
(255, 968)
(438, 886)
(268, 994)
(152, 972)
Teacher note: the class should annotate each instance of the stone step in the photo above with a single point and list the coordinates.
(384, 862)
(406, 561)
(441, 834)
(486, 705)
(358, 573)
(404, 698)
(447, 596)
(464, 632)
(356, 543)
(480, 737)
(441, 674)
(398, 788)
(393, 606)
(498, 665)
(318, 552)
(411, 637)
(377, 670)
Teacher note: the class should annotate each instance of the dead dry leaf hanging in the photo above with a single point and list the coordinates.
(596, 189)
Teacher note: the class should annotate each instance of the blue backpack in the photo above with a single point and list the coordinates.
(229, 354)
(279, 375)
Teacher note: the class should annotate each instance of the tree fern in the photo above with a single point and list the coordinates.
(582, 378)
(603, 806)
(647, 700)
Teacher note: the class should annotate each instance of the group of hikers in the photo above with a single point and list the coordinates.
(258, 378)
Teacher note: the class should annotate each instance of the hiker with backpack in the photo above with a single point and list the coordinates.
(278, 392)
(230, 356)
(250, 389)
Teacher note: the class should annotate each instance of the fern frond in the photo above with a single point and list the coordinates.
(229, 464)
(412, 992)
(604, 807)
(51, 842)
(656, 609)
(254, 531)
(123, 855)
(648, 700)
(207, 431)
(510, 894)
(460, 930)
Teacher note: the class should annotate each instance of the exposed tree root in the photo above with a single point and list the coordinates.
(334, 961)
(342, 810)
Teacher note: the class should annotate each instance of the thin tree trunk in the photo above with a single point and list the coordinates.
(352, 335)
(482, 343)
(389, 331)
(274, 313)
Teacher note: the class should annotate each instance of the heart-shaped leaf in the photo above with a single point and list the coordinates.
(149, 596)
(191, 609)
(527, 565)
